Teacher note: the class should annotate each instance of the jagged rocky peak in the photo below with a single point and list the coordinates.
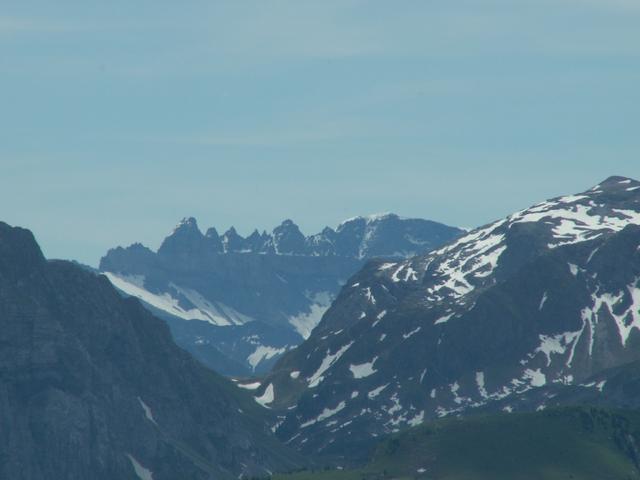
(359, 237)
(138, 247)
(256, 242)
(288, 239)
(323, 243)
(186, 228)
(185, 239)
(214, 240)
(232, 241)
(212, 233)
(187, 223)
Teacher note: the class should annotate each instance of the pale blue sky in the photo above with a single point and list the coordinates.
(118, 118)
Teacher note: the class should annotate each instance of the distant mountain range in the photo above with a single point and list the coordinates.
(249, 300)
(484, 342)
(515, 315)
(93, 387)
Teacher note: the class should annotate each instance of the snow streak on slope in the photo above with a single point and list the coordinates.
(626, 320)
(202, 309)
(305, 322)
(141, 472)
(328, 361)
(264, 353)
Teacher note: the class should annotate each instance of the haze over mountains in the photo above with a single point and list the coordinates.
(500, 319)
(532, 313)
(248, 300)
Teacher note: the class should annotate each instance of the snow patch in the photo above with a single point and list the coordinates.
(141, 472)
(249, 386)
(328, 361)
(379, 317)
(376, 391)
(542, 301)
(417, 420)
(481, 386)
(573, 269)
(369, 295)
(326, 413)
(305, 322)
(363, 370)
(263, 353)
(411, 333)
(443, 319)
(386, 266)
(147, 411)
(556, 344)
(267, 397)
(219, 314)
(536, 377)
(576, 223)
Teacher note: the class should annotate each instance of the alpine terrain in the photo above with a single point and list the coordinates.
(538, 309)
(249, 300)
(93, 387)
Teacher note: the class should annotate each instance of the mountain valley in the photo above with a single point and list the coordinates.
(237, 303)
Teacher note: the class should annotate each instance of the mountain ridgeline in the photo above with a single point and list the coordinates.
(94, 387)
(516, 315)
(267, 291)
(510, 351)
(383, 235)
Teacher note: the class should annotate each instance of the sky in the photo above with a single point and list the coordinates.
(119, 118)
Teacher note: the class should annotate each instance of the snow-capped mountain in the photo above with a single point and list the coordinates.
(282, 280)
(546, 298)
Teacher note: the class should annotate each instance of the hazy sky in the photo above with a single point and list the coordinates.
(118, 118)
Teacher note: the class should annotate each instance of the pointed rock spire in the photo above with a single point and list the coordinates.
(185, 239)
(288, 239)
(232, 241)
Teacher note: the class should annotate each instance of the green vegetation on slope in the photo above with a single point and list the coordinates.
(579, 443)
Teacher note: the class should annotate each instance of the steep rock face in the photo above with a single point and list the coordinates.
(284, 280)
(549, 296)
(214, 240)
(92, 385)
(232, 241)
(288, 239)
(187, 242)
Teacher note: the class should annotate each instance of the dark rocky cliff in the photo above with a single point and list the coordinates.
(93, 387)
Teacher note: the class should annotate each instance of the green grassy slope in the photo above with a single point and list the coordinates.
(579, 443)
